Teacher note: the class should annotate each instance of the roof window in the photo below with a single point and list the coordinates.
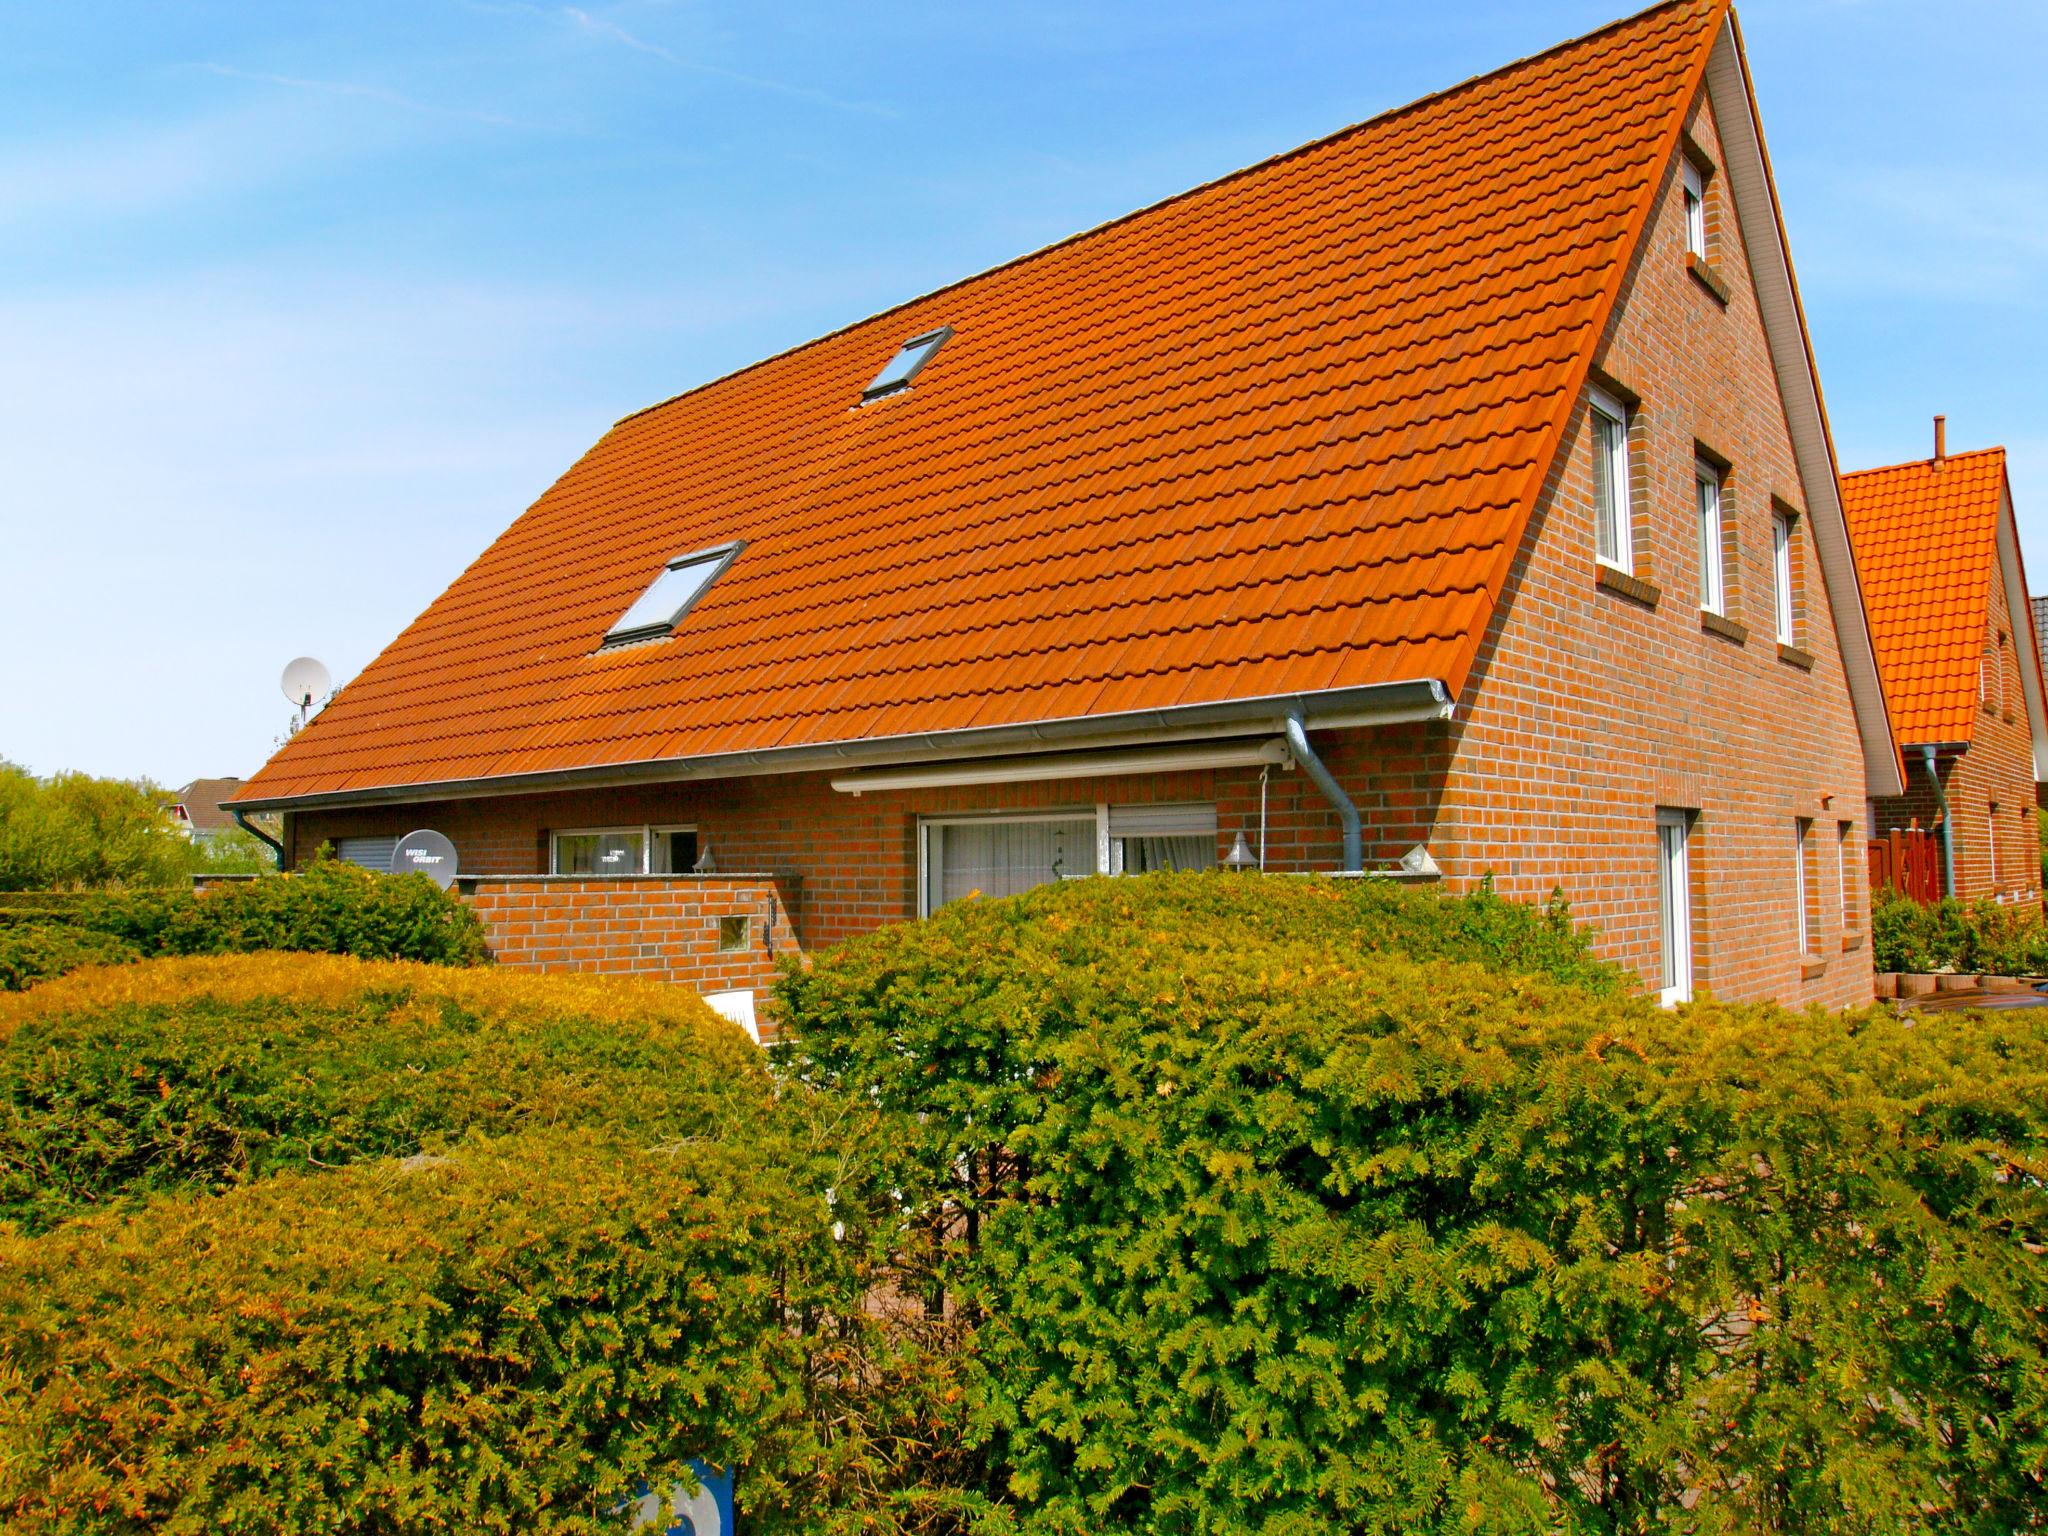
(674, 592)
(903, 367)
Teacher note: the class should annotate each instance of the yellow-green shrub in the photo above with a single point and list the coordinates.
(32, 952)
(205, 1073)
(311, 1244)
(507, 1340)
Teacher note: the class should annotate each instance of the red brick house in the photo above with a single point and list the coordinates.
(1956, 649)
(1456, 484)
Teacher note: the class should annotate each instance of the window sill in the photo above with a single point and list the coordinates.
(1632, 587)
(1706, 277)
(1720, 624)
(1851, 942)
(1792, 655)
(1812, 968)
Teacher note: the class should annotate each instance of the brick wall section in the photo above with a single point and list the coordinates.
(660, 927)
(1590, 709)
(1587, 711)
(1997, 771)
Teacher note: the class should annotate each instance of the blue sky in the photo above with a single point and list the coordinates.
(300, 304)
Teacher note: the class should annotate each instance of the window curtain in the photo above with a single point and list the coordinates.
(1002, 858)
(1144, 854)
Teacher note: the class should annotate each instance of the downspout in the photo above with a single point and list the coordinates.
(242, 821)
(1304, 754)
(1948, 839)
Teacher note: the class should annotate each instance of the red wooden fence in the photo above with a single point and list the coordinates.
(1907, 862)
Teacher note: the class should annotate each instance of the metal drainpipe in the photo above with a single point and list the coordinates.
(1304, 754)
(1948, 839)
(242, 821)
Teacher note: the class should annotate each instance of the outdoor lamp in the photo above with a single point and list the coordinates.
(1240, 856)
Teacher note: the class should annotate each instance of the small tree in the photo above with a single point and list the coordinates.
(75, 832)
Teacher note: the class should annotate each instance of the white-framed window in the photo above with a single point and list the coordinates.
(1613, 539)
(1801, 876)
(1002, 855)
(960, 856)
(1781, 576)
(1674, 906)
(1695, 184)
(1845, 905)
(642, 850)
(1713, 573)
(1991, 839)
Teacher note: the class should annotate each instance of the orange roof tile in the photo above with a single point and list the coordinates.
(1279, 434)
(1926, 537)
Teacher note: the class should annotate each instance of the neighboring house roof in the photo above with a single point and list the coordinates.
(1926, 537)
(198, 803)
(1929, 536)
(1275, 439)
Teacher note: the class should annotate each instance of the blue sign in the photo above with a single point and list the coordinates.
(678, 1512)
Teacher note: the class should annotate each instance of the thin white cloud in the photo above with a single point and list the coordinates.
(611, 31)
(358, 91)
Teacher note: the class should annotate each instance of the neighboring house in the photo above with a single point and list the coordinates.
(1464, 473)
(1961, 663)
(197, 809)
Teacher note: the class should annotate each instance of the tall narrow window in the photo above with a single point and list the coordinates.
(1991, 840)
(1802, 882)
(1713, 583)
(1695, 208)
(1674, 906)
(1613, 542)
(1781, 568)
(1845, 835)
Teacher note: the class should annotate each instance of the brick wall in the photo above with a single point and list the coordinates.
(1589, 709)
(662, 927)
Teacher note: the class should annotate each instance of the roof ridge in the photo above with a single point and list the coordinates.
(1279, 157)
(1928, 463)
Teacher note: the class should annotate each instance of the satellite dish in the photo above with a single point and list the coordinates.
(304, 681)
(425, 853)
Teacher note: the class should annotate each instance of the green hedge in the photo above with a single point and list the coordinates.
(329, 907)
(308, 1244)
(1969, 938)
(33, 952)
(201, 1075)
(1279, 1214)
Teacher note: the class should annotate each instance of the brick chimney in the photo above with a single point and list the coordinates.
(1940, 438)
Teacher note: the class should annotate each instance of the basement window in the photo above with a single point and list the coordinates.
(903, 367)
(674, 593)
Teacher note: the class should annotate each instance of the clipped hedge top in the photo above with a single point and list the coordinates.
(201, 1074)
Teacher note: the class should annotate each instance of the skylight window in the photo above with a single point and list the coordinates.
(674, 592)
(903, 367)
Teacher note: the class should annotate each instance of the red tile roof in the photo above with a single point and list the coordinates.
(1926, 538)
(1278, 435)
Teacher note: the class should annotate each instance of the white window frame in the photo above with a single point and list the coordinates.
(1991, 840)
(1844, 831)
(1695, 198)
(645, 832)
(1674, 904)
(1707, 488)
(1781, 577)
(925, 824)
(1800, 826)
(1617, 517)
